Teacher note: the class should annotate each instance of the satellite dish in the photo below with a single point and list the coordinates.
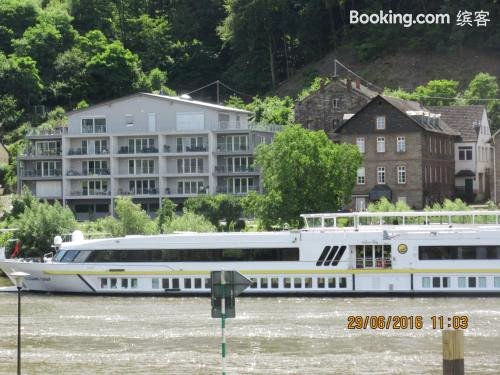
(77, 236)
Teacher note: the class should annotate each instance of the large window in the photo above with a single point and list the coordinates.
(465, 153)
(141, 145)
(97, 187)
(401, 144)
(93, 125)
(140, 187)
(190, 165)
(380, 144)
(95, 167)
(381, 175)
(238, 164)
(360, 142)
(48, 168)
(401, 174)
(190, 187)
(240, 185)
(194, 255)
(380, 121)
(141, 166)
(458, 252)
(101, 146)
(48, 148)
(361, 176)
(233, 143)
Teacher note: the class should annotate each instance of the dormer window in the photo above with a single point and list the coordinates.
(380, 121)
(335, 103)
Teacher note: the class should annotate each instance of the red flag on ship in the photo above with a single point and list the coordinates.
(17, 249)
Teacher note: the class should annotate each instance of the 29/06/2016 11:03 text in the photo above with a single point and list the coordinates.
(406, 322)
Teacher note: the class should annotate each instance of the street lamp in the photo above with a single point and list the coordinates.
(19, 278)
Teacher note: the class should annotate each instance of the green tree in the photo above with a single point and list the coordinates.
(38, 224)
(188, 222)
(217, 208)
(15, 17)
(157, 79)
(114, 72)
(435, 92)
(9, 113)
(485, 86)
(303, 172)
(132, 218)
(165, 213)
(94, 15)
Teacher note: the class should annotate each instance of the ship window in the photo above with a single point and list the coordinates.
(69, 256)
(254, 283)
(321, 282)
(446, 282)
(426, 282)
(175, 283)
(482, 282)
(343, 282)
(436, 282)
(458, 252)
(113, 283)
(472, 282)
(104, 283)
(193, 255)
(274, 282)
(331, 282)
(497, 282)
(187, 283)
(287, 282)
(297, 282)
(308, 282)
(82, 255)
(197, 283)
(125, 283)
(165, 283)
(461, 282)
(207, 283)
(155, 283)
(263, 283)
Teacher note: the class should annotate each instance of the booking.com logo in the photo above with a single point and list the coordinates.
(405, 19)
(464, 18)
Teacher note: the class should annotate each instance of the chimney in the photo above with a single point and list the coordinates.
(348, 84)
(358, 84)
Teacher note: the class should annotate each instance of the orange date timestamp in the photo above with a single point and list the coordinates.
(407, 322)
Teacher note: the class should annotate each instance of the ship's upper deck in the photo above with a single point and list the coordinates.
(404, 220)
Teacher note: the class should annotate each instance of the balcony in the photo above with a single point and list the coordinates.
(145, 150)
(221, 169)
(56, 132)
(222, 147)
(30, 153)
(40, 174)
(152, 191)
(91, 172)
(82, 151)
(256, 126)
(225, 190)
(180, 192)
(90, 192)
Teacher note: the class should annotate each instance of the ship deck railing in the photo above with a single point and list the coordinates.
(355, 220)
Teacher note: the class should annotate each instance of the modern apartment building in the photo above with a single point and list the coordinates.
(145, 146)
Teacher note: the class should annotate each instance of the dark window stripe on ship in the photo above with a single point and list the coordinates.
(338, 256)
(323, 255)
(330, 256)
(193, 255)
(458, 252)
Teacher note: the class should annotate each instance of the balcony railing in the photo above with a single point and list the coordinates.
(82, 151)
(224, 169)
(235, 125)
(103, 192)
(145, 150)
(203, 190)
(225, 190)
(36, 153)
(222, 147)
(35, 173)
(55, 131)
(152, 191)
(90, 172)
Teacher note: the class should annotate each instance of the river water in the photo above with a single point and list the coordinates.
(156, 335)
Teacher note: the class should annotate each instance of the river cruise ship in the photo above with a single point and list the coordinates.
(398, 253)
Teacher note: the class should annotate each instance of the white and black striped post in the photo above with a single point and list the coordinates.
(223, 321)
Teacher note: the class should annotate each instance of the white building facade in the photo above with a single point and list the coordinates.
(145, 146)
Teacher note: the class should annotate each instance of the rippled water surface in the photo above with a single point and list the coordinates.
(153, 335)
